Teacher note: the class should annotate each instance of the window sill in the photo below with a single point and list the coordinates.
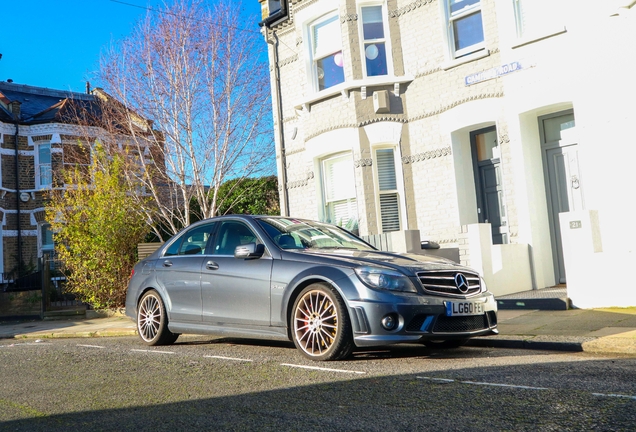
(346, 87)
(526, 40)
(466, 59)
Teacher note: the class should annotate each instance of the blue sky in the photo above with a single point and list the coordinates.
(57, 43)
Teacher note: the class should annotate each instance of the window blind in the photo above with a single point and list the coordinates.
(326, 37)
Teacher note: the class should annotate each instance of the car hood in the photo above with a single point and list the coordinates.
(410, 262)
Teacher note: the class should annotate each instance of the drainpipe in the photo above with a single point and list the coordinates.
(17, 190)
(279, 121)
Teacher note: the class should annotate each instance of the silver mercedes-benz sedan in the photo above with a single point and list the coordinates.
(314, 283)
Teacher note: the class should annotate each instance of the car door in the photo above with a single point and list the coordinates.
(179, 271)
(235, 291)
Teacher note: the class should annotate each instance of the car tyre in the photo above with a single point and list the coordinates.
(152, 321)
(445, 344)
(321, 328)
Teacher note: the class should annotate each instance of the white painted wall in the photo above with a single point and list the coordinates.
(505, 268)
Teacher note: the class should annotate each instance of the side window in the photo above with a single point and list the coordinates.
(465, 27)
(374, 40)
(193, 242)
(174, 248)
(232, 234)
(326, 52)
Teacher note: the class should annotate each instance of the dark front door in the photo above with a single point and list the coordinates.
(489, 188)
(563, 186)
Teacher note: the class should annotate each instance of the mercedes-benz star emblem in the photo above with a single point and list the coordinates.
(461, 282)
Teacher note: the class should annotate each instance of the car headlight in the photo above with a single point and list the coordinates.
(386, 279)
(484, 288)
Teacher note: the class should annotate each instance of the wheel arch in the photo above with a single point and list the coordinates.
(339, 285)
(164, 298)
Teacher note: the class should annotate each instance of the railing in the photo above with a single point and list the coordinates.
(32, 295)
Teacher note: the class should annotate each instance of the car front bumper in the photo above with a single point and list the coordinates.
(421, 318)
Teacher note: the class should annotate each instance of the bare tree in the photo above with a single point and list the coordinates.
(202, 78)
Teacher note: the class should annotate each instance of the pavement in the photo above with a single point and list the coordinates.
(608, 331)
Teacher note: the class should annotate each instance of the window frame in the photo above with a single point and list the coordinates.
(451, 18)
(45, 247)
(328, 209)
(175, 248)
(386, 40)
(313, 58)
(525, 34)
(39, 165)
(399, 186)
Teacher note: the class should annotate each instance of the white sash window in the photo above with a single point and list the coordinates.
(339, 190)
(465, 27)
(326, 53)
(388, 193)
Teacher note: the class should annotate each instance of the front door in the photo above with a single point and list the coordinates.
(235, 291)
(489, 188)
(563, 186)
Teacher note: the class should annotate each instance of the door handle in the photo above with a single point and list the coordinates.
(211, 265)
(167, 263)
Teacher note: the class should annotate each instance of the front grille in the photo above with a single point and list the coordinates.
(416, 323)
(444, 282)
(446, 324)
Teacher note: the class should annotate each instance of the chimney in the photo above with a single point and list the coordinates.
(14, 107)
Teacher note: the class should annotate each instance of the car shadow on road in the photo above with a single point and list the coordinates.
(442, 399)
(413, 350)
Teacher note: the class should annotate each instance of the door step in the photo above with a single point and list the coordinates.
(554, 298)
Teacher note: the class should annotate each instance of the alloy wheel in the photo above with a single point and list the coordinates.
(149, 318)
(315, 322)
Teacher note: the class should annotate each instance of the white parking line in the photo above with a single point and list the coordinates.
(323, 369)
(504, 385)
(90, 346)
(153, 351)
(228, 358)
(483, 383)
(614, 395)
(437, 379)
(37, 342)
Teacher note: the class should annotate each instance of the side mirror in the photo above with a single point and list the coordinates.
(249, 251)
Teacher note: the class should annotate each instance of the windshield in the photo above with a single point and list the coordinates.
(303, 234)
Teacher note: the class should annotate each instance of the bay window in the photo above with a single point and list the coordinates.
(374, 40)
(326, 53)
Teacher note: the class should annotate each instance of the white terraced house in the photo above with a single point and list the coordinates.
(499, 129)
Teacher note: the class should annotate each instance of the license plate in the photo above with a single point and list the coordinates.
(464, 308)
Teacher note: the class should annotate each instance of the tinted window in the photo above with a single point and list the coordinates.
(233, 234)
(192, 242)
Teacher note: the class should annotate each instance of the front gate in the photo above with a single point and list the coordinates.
(37, 294)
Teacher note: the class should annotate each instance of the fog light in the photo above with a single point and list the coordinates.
(389, 322)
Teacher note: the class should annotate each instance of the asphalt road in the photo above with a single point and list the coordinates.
(230, 384)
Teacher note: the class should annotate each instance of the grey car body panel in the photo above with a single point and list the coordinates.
(253, 297)
(237, 291)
